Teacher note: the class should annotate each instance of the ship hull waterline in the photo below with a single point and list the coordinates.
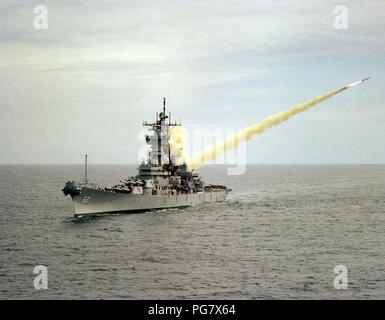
(96, 202)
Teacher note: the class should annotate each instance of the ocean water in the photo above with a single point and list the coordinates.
(279, 235)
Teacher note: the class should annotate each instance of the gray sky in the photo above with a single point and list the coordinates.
(85, 84)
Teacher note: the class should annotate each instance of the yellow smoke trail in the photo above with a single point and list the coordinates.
(177, 143)
(232, 142)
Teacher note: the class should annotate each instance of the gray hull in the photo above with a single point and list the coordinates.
(93, 201)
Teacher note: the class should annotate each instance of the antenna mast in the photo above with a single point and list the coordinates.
(85, 169)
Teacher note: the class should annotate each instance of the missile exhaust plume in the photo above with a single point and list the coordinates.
(232, 142)
(177, 143)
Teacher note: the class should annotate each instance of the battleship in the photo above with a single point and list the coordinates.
(161, 182)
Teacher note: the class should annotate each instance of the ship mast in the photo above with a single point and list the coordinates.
(162, 118)
(161, 127)
(85, 168)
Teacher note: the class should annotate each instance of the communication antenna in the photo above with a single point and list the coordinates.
(85, 169)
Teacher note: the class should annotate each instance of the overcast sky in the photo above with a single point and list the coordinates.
(85, 84)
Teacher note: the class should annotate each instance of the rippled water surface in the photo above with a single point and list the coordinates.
(279, 235)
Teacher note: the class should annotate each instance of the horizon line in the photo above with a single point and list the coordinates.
(210, 164)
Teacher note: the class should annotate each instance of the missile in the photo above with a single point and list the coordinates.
(354, 84)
